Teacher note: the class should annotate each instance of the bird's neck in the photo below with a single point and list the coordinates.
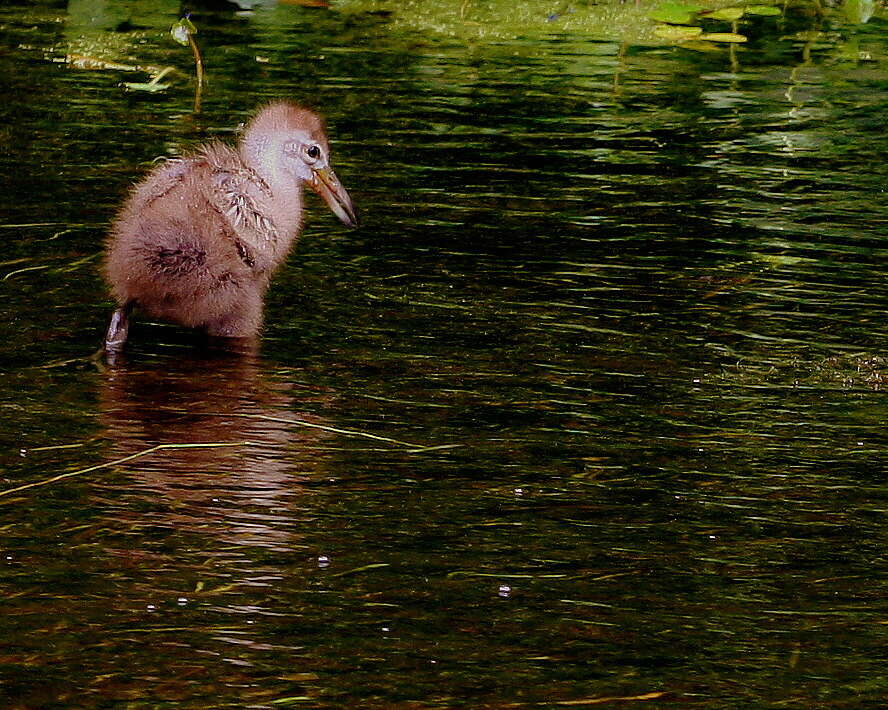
(260, 154)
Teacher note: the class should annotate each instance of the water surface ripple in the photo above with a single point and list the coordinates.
(593, 405)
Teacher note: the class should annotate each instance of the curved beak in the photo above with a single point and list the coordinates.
(327, 185)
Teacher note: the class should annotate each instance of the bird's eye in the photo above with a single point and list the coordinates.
(313, 152)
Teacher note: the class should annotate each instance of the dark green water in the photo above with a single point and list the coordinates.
(637, 292)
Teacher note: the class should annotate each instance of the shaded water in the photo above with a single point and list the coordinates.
(636, 293)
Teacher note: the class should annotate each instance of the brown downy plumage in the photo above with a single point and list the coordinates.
(198, 240)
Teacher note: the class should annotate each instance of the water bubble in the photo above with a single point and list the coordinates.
(504, 591)
(182, 601)
(323, 561)
(518, 491)
(151, 607)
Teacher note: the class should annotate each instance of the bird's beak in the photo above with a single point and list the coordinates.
(327, 185)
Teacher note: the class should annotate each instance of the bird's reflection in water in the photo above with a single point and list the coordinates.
(242, 484)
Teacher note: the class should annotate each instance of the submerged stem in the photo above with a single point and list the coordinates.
(108, 464)
(199, 70)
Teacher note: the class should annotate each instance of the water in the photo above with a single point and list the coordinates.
(592, 406)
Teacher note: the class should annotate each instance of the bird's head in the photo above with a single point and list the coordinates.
(286, 141)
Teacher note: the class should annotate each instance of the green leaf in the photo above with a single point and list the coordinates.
(696, 46)
(675, 33)
(765, 10)
(151, 88)
(729, 14)
(722, 37)
(676, 13)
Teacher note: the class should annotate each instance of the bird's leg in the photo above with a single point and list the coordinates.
(118, 329)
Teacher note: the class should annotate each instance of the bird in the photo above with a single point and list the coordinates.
(197, 241)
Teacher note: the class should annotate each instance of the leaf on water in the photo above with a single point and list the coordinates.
(150, 87)
(729, 14)
(696, 46)
(722, 37)
(81, 61)
(676, 13)
(765, 10)
(675, 33)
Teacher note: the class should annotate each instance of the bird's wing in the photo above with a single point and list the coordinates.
(162, 180)
(235, 193)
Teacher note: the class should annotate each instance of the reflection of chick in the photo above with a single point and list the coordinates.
(198, 240)
(242, 492)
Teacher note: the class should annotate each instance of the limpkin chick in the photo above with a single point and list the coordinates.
(197, 241)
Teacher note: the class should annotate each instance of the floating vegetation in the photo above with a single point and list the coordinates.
(722, 37)
(109, 464)
(90, 63)
(632, 22)
(678, 33)
(675, 13)
(683, 22)
(763, 10)
(859, 372)
(153, 86)
(727, 14)
(182, 31)
(412, 448)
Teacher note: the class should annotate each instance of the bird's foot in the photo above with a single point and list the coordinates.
(118, 330)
